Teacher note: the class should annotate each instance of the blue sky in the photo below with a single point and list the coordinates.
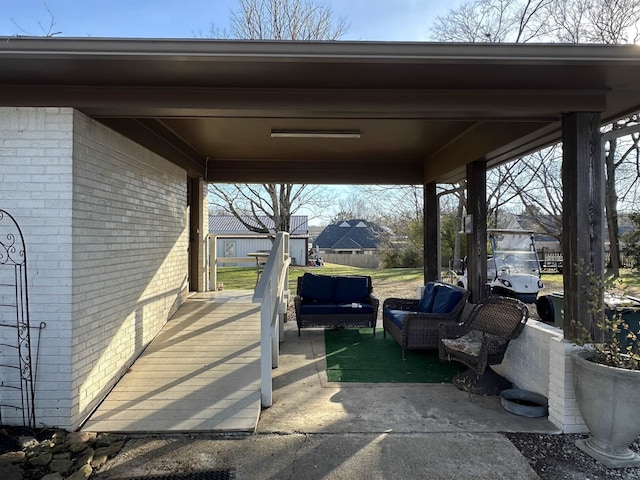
(382, 20)
(400, 20)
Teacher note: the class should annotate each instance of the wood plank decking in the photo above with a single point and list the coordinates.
(201, 373)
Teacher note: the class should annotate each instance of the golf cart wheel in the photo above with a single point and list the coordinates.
(544, 307)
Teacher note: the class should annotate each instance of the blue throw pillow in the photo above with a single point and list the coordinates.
(351, 289)
(447, 297)
(425, 305)
(318, 287)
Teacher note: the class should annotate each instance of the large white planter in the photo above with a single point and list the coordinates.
(608, 401)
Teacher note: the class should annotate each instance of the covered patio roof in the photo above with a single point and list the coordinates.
(419, 112)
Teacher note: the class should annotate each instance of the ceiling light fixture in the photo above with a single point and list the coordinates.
(315, 133)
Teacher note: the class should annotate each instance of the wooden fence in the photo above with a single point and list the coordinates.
(352, 260)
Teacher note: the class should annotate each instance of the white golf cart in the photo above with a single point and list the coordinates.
(513, 268)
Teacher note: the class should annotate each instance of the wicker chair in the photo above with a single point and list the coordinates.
(491, 325)
(419, 330)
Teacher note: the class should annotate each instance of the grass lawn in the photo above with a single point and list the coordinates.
(241, 278)
(629, 282)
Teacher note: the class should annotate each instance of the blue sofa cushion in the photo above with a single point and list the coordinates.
(351, 289)
(348, 309)
(447, 297)
(396, 316)
(315, 308)
(318, 287)
(428, 296)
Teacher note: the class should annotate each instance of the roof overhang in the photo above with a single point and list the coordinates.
(423, 111)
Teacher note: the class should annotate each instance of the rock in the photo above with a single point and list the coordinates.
(41, 460)
(53, 476)
(61, 447)
(26, 442)
(79, 437)
(13, 457)
(101, 455)
(86, 458)
(61, 465)
(82, 474)
(11, 472)
(77, 447)
(106, 439)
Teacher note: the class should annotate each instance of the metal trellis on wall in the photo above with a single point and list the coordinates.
(17, 365)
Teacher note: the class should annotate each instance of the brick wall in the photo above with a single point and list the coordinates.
(129, 254)
(105, 224)
(539, 360)
(36, 188)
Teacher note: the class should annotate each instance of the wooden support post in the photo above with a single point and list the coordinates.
(477, 239)
(583, 213)
(431, 234)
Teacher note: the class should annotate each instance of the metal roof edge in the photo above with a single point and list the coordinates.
(320, 50)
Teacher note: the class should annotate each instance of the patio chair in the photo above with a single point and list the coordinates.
(491, 325)
(413, 323)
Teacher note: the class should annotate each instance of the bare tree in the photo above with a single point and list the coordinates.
(542, 193)
(274, 20)
(573, 21)
(252, 203)
(46, 30)
(286, 20)
(353, 206)
(517, 21)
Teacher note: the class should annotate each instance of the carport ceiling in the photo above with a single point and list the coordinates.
(422, 111)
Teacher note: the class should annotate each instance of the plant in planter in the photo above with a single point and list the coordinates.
(606, 379)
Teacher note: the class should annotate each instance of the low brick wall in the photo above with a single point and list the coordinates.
(539, 360)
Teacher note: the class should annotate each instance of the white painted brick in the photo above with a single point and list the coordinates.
(106, 237)
(130, 244)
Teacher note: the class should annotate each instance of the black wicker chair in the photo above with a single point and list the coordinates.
(419, 330)
(490, 326)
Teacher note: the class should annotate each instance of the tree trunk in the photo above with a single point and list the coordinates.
(611, 209)
(460, 211)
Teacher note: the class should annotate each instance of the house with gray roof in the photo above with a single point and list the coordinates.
(351, 236)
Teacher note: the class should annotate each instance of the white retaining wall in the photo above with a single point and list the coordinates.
(105, 224)
(539, 361)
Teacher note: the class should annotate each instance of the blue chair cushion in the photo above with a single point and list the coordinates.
(396, 316)
(318, 287)
(348, 308)
(428, 296)
(351, 289)
(447, 297)
(315, 308)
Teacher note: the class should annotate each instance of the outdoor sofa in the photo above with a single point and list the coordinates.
(335, 301)
(414, 323)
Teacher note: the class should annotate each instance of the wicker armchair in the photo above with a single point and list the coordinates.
(419, 329)
(491, 325)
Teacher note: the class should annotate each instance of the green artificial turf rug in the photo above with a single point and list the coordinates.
(355, 355)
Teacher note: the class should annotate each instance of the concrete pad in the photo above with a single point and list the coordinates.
(323, 430)
(304, 401)
(328, 456)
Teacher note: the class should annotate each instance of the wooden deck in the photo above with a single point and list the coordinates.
(201, 373)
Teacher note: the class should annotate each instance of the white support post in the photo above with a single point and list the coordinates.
(213, 262)
(266, 385)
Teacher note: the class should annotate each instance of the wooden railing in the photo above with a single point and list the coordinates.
(272, 293)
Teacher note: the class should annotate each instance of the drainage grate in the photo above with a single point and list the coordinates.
(203, 475)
